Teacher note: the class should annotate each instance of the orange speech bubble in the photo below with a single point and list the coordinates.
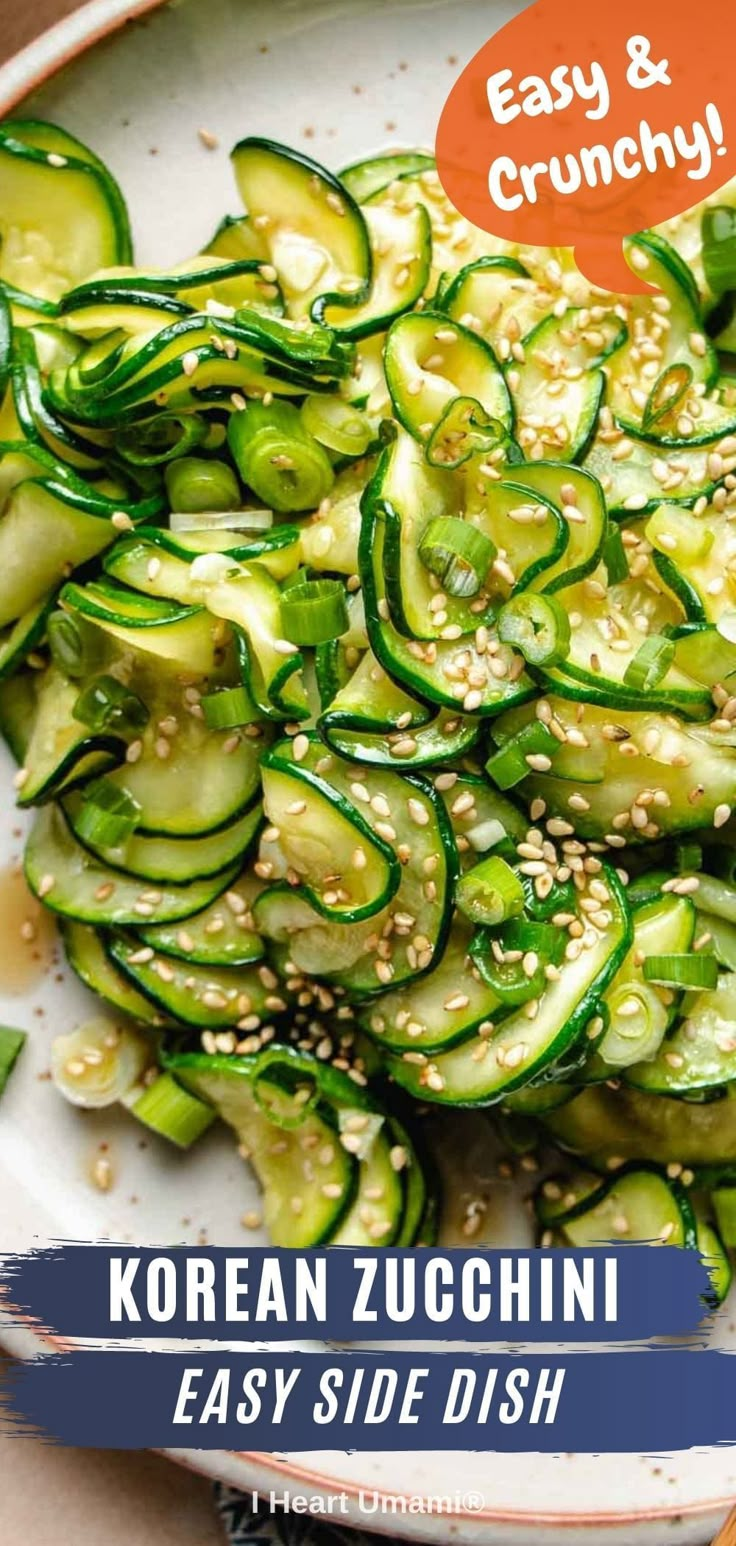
(577, 125)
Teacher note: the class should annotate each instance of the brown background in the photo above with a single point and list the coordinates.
(22, 20)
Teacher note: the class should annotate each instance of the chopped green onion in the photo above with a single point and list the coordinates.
(696, 970)
(195, 484)
(172, 1112)
(544, 938)
(668, 390)
(509, 765)
(108, 815)
(678, 535)
(651, 662)
(490, 893)
(11, 1042)
(100, 1063)
(227, 708)
(221, 520)
(76, 646)
(464, 430)
(537, 626)
(277, 457)
(458, 553)
(718, 230)
(614, 557)
(337, 425)
(105, 704)
(637, 1024)
(314, 612)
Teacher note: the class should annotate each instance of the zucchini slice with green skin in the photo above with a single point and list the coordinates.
(408, 936)
(649, 475)
(631, 379)
(134, 299)
(88, 957)
(207, 997)
(71, 882)
(563, 1197)
(639, 1203)
(701, 779)
(698, 1056)
(429, 361)
(401, 255)
(179, 634)
(364, 178)
(324, 1190)
(206, 783)
(20, 638)
(237, 239)
(345, 864)
(47, 529)
(179, 859)
(36, 419)
(664, 925)
(376, 1216)
(702, 577)
(222, 935)
(495, 297)
(63, 216)
(61, 752)
(314, 231)
(562, 487)
(374, 721)
(429, 670)
(606, 1125)
(466, 1076)
(483, 820)
(447, 1007)
(246, 597)
(16, 712)
(558, 385)
(722, 938)
(608, 631)
(715, 1255)
(277, 550)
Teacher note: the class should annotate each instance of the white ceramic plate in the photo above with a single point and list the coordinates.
(339, 78)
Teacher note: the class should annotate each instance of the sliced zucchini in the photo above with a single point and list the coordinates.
(374, 721)
(364, 178)
(60, 751)
(71, 882)
(606, 1125)
(401, 254)
(429, 362)
(305, 1162)
(558, 385)
(207, 997)
(20, 638)
(664, 925)
(435, 1014)
(639, 1204)
(222, 935)
(62, 213)
(88, 957)
(467, 1076)
(185, 636)
(164, 858)
(314, 232)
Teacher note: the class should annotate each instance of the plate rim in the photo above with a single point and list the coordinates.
(24, 72)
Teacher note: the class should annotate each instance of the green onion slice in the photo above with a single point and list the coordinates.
(464, 430)
(637, 1024)
(314, 612)
(668, 391)
(106, 704)
(689, 858)
(286, 1094)
(696, 970)
(11, 1042)
(718, 230)
(227, 708)
(76, 646)
(614, 557)
(490, 893)
(512, 981)
(457, 553)
(651, 662)
(173, 1112)
(108, 815)
(537, 626)
(277, 457)
(508, 766)
(195, 484)
(337, 425)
